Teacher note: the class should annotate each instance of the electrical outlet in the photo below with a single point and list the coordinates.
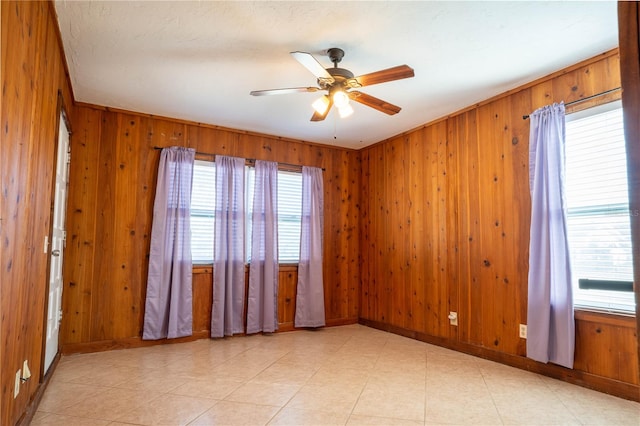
(453, 318)
(16, 387)
(523, 331)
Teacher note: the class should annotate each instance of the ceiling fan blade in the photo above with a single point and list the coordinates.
(309, 62)
(319, 117)
(374, 102)
(390, 74)
(284, 91)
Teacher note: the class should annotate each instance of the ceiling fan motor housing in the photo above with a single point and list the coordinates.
(335, 54)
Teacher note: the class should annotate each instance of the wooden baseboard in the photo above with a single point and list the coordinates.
(126, 343)
(288, 326)
(602, 384)
(137, 342)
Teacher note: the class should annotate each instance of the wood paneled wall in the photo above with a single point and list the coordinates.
(445, 227)
(113, 177)
(33, 72)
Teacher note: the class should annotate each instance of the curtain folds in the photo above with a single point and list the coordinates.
(550, 322)
(310, 290)
(262, 307)
(229, 247)
(168, 306)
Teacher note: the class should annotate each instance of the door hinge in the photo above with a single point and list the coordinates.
(69, 157)
(64, 239)
(60, 315)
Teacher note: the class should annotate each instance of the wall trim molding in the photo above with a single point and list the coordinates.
(580, 378)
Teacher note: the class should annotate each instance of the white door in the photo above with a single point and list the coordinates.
(54, 313)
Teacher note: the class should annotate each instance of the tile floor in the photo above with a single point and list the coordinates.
(350, 375)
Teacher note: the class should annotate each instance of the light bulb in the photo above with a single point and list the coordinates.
(345, 111)
(340, 98)
(321, 104)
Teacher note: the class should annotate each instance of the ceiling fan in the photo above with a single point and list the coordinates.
(339, 84)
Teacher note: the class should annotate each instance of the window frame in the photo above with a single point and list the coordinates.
(249, 167)
(575, 112)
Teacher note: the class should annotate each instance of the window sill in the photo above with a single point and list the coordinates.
(611, 318)
(208, 268)
(202, 269)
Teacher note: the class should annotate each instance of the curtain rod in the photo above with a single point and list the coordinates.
(249, 160)
(606, 92)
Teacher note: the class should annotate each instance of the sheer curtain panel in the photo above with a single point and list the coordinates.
(228, 269)
(550, 323)
(168, 308)
(310, 293)
(262, 308)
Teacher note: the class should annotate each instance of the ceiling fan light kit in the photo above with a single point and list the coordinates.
(339, 84)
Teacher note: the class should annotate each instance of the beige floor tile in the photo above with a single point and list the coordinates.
(352, 360)
(239, 368)
(382, 398)
(330, 399)
(109, 405)
(533, 407)
(285, 373)
(72, 370)
(461, 408)
(403, 379)
(297, 417)
(263, 393)
(331, 375)
(360, 420)
(153, 381)
(595, 408)
(59, 420)
(236, 413)
(167, 410)
(61, 395)
(142, 358)
(211, 387)
(108, 375)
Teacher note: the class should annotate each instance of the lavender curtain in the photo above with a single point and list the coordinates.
(168, 308)
(550, 323)
(310, 292)
(228, 268)
(262, 307)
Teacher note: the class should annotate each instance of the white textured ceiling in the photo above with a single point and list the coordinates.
(199, 60)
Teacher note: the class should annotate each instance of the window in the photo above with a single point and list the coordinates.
(598, 207)
(289, 216)
(203, 213)
(203, 199)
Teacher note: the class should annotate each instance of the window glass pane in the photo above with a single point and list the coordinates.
(250, 182)
(203, 199)
(289, 216)
(598, 206)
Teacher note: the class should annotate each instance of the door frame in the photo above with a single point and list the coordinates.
(61, 111)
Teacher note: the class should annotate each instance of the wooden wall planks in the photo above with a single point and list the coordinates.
(110, 209)
(398, 282)
(33, 73)
(445, 227)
